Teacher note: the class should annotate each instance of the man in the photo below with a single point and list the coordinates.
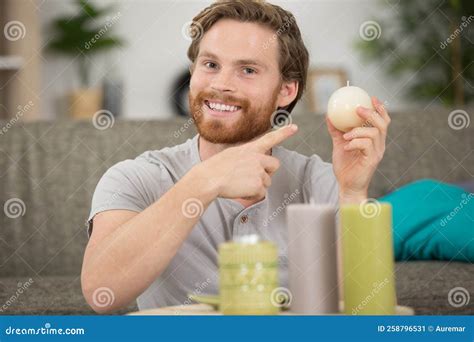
(156, 221)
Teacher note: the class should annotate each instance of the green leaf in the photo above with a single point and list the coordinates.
(413, 45)
(104, 44)
(82, 32)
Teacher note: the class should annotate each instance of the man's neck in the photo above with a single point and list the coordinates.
(207, 149)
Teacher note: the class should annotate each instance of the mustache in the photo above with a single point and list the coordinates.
(208, 95)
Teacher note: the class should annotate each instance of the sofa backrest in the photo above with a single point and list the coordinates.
(53, 168)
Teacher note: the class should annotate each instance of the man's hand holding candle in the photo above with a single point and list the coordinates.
(357, 153)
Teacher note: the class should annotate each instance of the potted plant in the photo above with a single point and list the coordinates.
(81, 37)
(430, 40)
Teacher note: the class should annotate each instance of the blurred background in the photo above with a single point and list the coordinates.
(72, 58)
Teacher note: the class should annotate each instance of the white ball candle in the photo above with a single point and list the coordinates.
(342, 107)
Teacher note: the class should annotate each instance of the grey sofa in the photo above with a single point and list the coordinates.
(53, 167)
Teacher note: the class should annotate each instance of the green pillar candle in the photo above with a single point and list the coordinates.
(248, 277)
(368, 259)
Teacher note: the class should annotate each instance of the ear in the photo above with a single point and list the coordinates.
(287, 94)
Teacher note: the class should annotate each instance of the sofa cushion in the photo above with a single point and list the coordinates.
(436, 287)
(49, 295)
(423, 285)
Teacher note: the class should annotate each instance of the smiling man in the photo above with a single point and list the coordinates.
(156, 221)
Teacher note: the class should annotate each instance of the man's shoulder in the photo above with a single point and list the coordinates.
(174, 159)
(182, 150)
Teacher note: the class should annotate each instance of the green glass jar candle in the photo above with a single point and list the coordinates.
(248, 276)
(368, 259)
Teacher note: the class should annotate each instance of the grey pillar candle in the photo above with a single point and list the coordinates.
(312, 253)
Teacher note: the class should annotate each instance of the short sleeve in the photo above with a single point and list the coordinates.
(128, 185)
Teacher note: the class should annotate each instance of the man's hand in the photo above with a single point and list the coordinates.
(357, 153)
(245, 171)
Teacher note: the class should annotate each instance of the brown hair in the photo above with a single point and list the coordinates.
(294, 56)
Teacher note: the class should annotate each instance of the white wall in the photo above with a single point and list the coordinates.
(156, 50)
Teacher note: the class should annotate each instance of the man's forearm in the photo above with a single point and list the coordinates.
(135, 254)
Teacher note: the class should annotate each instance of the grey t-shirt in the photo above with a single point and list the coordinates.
(138, 183)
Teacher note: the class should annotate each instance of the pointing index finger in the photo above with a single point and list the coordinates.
(273, 138)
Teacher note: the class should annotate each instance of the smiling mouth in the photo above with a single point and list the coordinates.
(221, 108)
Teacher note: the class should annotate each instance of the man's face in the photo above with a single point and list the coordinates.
(235, 85)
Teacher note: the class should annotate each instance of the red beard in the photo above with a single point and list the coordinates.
(252, 122)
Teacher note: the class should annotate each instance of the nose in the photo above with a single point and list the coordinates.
(223, 81)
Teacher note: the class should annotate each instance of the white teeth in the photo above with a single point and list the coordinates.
(222, 107)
